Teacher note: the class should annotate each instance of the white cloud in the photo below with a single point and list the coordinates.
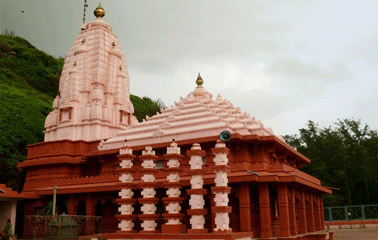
(255, 79)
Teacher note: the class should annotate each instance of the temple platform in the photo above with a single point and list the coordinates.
(322, 235)
(203, 236)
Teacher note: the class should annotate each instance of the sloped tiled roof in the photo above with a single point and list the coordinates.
(196, 116)
(8, 194)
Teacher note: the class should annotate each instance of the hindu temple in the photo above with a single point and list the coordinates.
(170, 176)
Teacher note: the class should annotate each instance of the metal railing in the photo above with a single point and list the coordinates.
(345, 213)
(60, 226)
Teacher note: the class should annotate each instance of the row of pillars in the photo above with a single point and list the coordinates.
(298, 212)
(172, 184)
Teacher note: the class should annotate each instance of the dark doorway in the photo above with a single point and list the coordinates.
(109, 220)
(81, 208)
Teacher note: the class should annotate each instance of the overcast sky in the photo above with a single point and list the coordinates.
(284, 62)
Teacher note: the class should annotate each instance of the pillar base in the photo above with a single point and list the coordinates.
(173, 228)
(222, 231)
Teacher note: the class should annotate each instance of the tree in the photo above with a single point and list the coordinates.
(344, 157)
(146, 107)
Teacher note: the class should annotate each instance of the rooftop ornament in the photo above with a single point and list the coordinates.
(200, 91)
(199, 80)
(99, 12)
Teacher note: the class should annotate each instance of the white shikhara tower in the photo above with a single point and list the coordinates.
(94, 88)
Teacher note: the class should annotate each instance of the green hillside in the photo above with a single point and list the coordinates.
(29, 80)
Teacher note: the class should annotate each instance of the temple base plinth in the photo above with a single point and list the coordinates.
(180, 236)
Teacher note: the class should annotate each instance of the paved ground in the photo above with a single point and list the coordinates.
(356, 234)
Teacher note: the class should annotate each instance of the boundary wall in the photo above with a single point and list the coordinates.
(355, 224)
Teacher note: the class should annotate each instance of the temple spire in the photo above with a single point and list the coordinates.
(89, 107)
(99, 12)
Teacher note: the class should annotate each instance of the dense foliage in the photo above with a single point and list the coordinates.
(344, 157)
(29, 80)
(25, 67)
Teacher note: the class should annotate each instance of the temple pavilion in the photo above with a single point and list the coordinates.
(170, 176)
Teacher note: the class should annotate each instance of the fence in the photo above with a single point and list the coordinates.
(361, 212)
(60, 227)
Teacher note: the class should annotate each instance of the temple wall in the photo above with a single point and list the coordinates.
(87, 167)
(64, 160)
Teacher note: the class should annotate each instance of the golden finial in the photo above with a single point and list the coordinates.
(113, 44)
(99, 12)
(199, 80)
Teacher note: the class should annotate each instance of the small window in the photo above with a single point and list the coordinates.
(204, 160)
(159, 164)
(91, 169)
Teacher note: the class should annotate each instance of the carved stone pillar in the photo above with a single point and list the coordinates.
(90, 210)
(89, 205)
(197, 191)
(72, 205)
(221, 190)
(148, 217)
(265, 216)
(172, 202)
(310, 214)
(283, 209)
(317, 212)
(126, 171)
(244, 207)
(321, 212)
(302, 221)
(292, 215)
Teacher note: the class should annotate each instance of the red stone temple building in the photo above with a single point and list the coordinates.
(168, 177)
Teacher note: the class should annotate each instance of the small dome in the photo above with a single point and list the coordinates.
(56, 102)
(48, 121)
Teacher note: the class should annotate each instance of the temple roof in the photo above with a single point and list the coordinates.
(196, 116)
